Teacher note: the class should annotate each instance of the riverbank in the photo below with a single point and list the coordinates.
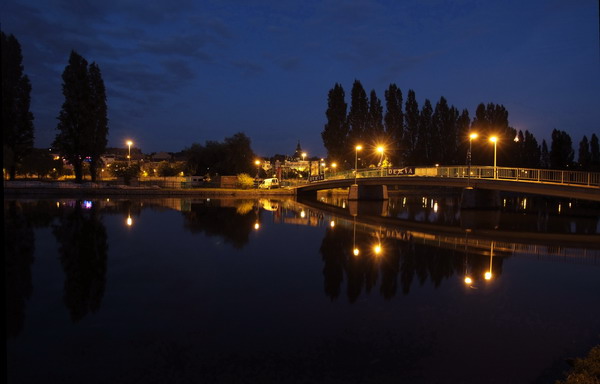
(26, 188)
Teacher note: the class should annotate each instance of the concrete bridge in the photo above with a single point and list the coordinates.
(371, 184)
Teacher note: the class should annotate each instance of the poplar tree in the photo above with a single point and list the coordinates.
(411, 125)
(17, 120)
(335, 133)
(426, 132)
(561, 150)
(358, 115)
(82, 122)
(585, 156)
(594, 153)
(375, 129)
(394, 121)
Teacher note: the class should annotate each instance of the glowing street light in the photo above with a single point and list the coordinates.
(129, 144)
(357, 148)
(257, 162)
(333, 165)
(380, 150)
(494, 140)
(472, 137)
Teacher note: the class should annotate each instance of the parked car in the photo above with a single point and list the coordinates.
(269, 183)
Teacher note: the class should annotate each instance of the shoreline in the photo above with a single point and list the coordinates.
(28, 188)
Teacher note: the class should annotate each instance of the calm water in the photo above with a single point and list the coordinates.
(270, 291)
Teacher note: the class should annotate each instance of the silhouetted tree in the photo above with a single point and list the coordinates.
(411, 126)
(492, 120)
(374, 132)
(17, 120)
(585, 156)
(358, 115)
(463, 127)
(544, 155)
(561, 150)
(531, 152)
(83, 125)
(336, 130)
(233, 156)
(98, 120)
(426, 137)
(394, 122)
(594, 153)
(41, 162)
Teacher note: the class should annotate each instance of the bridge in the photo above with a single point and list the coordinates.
(573, 184)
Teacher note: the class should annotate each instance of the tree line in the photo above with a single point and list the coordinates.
(83, 126)
(429, 135)
(82, 121)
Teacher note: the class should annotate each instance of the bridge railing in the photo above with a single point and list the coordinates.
(481, 172)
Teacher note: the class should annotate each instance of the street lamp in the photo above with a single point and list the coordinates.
(494, 140)
(257, 162)
(129, 144)
(357, 148)
(380, 149)
(472, 137)
(333, 165)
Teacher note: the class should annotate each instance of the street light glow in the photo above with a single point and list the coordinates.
(494, 139)
(473, 136)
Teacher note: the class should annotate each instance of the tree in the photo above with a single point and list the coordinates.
(41, 163)
(98, 121)
(531, 151)
(463, 126)
(492, 120)
(411, 125)
(83, 125)
(17, 120)
(561, 150)
(585, 156)
(231, 157)
(426, 136)
(358, 116)
(374, 129)
(336, 130)
(545, 155)
(594, 153)
(394, 121)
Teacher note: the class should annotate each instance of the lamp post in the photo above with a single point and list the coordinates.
(357, 148)
(333, 165)
(472, 137)
(257, 162)
(129, 144)
(494, 140)
(380, 149)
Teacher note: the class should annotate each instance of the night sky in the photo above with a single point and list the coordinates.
(183, 72)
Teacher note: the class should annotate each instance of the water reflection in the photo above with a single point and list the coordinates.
(390, 247)
(19, 244)
(83, 246)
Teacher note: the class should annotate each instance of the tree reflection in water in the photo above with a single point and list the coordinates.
(18, 259)
(400, 263)
(233, 220)
(83, 249)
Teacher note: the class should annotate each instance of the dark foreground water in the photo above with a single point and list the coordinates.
(271, 291)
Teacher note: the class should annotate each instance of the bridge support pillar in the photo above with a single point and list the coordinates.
(368, 192)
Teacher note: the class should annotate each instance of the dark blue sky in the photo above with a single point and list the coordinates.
(183, 72)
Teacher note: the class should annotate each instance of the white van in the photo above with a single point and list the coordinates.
(269, 183)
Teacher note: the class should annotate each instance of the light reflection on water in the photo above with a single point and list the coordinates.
(263, 290)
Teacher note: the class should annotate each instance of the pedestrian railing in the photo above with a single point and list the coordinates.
(575, 178)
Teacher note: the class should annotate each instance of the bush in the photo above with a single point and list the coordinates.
(586, 370)
(245, 181)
